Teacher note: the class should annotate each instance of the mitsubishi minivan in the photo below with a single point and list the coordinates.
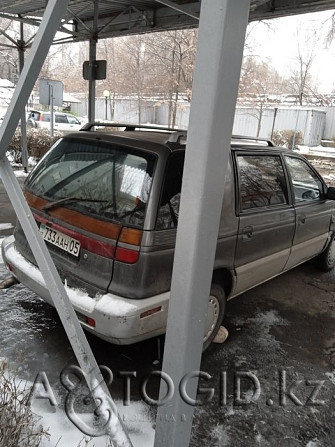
(107, 203)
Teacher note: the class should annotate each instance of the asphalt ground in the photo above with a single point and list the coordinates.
(272, 382)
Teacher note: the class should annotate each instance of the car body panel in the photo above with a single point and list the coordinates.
(128, 301)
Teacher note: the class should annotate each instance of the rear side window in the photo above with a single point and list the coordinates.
(168, 212)
(61, 119)
(108, 181)
(261, 181)
(306, 184)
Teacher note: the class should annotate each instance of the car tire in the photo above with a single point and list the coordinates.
(214, 315)
(326, 260)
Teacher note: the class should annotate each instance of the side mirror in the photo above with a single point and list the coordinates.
(331, 193)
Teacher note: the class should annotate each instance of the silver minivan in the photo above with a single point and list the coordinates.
(107, 205)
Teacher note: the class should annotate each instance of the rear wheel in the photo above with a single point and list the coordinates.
(215, 313)
(326, 260)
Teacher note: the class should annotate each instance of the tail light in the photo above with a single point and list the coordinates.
(149, 312)
(128, 240)
(90, 321)
(124, 253)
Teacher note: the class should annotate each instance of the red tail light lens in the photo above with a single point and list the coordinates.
(131, 236)
(127, 256)
(90, 321)
(147, 313)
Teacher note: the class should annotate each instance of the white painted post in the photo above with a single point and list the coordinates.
(221, 39)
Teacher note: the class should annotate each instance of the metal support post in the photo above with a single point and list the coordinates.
(54, 12)
(52, 115)
(220, 48)
(92, 59)
(91, 82)
(24, 149)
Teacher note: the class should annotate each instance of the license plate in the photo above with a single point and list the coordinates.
(60, 240)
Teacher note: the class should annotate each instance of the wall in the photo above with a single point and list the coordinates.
(329, 132)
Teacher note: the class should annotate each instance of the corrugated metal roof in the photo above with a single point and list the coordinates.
(121, 17)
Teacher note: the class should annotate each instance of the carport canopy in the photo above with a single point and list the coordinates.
(124, 17)
(222, 27)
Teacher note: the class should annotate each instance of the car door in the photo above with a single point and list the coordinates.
(266, 218)
(61, 123)
(313, 211)
(73, 123)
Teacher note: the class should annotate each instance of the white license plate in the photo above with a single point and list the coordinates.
(60, 240)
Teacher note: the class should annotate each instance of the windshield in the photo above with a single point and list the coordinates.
(108, 181)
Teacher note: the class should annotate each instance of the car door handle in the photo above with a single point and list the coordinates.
(302, 218)
(247, 233)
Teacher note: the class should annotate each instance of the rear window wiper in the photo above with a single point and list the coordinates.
(64, 200)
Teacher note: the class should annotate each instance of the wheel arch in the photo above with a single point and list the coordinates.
(224, 277)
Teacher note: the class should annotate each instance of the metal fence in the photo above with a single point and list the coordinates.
(314, 124)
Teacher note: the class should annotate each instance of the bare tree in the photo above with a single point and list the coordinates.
(173, 53)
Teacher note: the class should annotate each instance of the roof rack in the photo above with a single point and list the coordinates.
(175, 135)
(262, 140)
(128, 127)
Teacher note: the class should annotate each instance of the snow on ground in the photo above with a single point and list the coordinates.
(5, 226)
(19, 173)
(316, 150)
(64, 434)
(137, 418)
(1, 260)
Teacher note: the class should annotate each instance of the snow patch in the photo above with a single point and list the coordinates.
(1, 260)
(19, 174)
(63, 433)
(5, 226)
(331, 376)
(314, 443)
(106, 303)
(220, 436)
(269, 318)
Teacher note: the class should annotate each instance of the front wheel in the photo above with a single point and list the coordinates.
(326, 260)
(215, 312)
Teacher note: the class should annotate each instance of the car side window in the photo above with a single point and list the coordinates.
(169, 204)
(72, 120)
(61, 119)
(262, 181)
(306, 184)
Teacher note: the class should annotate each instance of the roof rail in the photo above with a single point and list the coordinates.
(244, 137)
(128, 127)
(176, 136)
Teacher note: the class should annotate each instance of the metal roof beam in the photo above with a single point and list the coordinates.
(14, 42)
(178, 8)
(131, 11)
(28, 21)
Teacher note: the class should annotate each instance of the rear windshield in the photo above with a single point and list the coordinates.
(106, 180)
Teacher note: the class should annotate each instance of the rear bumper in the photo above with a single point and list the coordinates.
(117, 319)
